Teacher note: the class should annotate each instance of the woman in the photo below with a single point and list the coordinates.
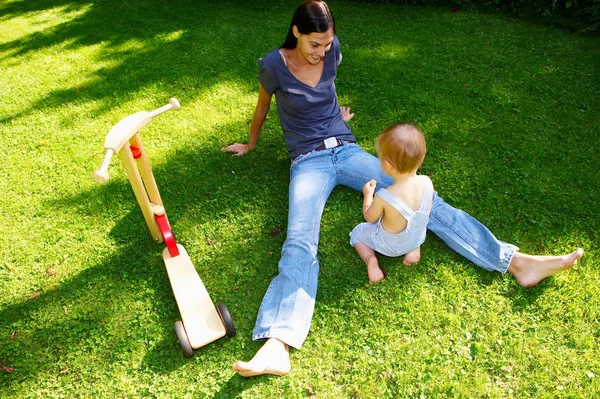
(322, 148)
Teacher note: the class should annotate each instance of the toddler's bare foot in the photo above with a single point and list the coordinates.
(413, 257)
(375, 273)
(272, 358)
(529, 270)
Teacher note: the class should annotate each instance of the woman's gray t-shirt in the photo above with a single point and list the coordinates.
(308, 115)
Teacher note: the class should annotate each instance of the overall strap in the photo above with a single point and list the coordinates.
(396, 203)
(427, 197)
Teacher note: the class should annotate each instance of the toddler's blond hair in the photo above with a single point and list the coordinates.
(403, 146)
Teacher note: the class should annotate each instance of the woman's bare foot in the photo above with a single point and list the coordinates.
(272, 358)
(413, 257)
(373, 270)
(529, 270)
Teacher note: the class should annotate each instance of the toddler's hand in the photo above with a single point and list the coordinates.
(369, 187)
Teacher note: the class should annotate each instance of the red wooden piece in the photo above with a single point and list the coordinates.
(136, 152)
(167, 234)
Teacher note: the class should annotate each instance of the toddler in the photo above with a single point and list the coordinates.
(397, 216)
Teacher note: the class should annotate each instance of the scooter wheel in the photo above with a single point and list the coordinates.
(184, 342)
(226, 318)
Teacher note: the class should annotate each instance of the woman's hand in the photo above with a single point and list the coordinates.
(237, 149)
(369, 188)
(346, 115)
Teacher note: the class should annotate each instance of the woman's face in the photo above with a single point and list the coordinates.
(313, 46)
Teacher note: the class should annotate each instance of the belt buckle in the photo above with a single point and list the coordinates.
(330, 142)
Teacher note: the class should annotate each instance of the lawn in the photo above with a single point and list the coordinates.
(510, 110)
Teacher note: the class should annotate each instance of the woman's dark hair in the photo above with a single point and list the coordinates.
(310, 16)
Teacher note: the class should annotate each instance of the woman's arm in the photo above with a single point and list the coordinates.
(258, 120)
(346, 115)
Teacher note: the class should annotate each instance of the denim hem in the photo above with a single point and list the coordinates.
(508, 258)
(284, 336)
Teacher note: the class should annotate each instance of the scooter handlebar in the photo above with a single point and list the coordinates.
(172, 105)
(123, 131)
(101, 175)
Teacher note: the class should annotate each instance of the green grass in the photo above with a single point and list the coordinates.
(510, 110)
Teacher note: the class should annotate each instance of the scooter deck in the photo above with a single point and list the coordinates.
(200, 318)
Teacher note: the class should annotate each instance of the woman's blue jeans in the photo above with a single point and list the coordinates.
(287, 307)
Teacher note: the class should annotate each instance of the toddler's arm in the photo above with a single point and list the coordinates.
(372, 209)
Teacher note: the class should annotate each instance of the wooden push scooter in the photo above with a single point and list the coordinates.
(202, 322)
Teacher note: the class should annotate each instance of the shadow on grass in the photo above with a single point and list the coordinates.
(443, 81)
(148, 45)
(235, 385)
(89, 321)
(198, 187)
(82, 310)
